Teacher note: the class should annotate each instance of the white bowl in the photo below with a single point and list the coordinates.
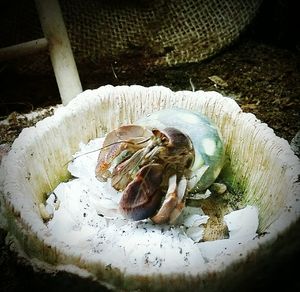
(262, 167)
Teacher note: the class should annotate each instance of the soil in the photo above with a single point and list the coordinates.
(261, 71)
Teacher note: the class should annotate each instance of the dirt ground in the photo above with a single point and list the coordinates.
(261, 71)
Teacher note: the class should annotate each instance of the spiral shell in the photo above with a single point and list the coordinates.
(206, 140)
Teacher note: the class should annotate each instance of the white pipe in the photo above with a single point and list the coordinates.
(61, 54)
(23, 49)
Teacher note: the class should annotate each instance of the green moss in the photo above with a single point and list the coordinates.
(47, 189)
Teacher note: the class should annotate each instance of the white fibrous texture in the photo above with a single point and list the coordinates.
(85, 219)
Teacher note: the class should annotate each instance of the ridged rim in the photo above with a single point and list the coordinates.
(34, 166)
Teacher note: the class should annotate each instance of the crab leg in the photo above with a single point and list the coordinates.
(123, 172)
(174, 202)
(128, 137)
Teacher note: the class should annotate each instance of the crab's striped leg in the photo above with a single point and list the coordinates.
(129, 138)
(173, 203)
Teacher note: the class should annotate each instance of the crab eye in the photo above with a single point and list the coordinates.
(162, 136)
(164, 139)
(176, 139)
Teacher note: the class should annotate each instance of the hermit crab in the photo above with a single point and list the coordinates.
(159, 160)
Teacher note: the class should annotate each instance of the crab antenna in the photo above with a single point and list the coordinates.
(146, 151)
(106, 146)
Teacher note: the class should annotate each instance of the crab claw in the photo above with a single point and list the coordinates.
(142, 196)
(129, 138)
(173, 203)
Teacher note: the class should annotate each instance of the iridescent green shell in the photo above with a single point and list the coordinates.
(206, 140)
